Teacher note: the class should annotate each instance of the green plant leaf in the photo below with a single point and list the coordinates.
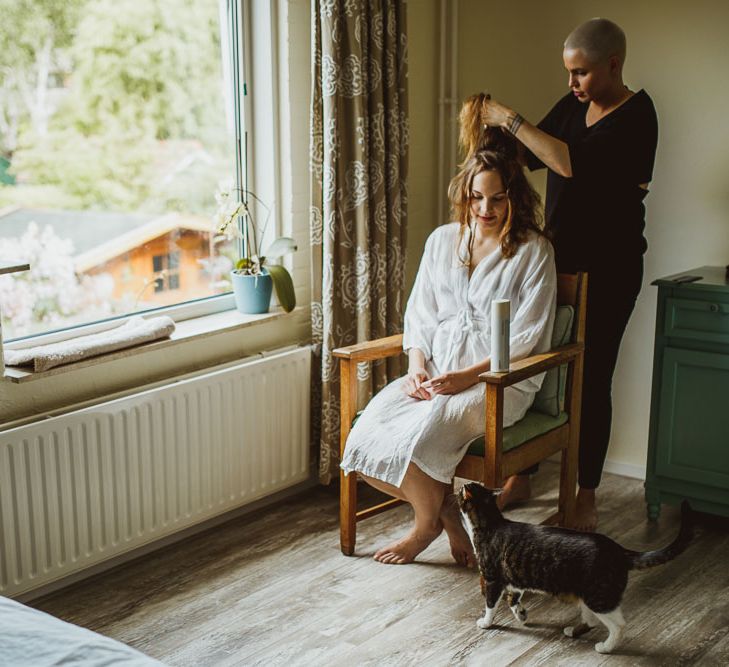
(284, 286)
(280, 247)
(244, 263)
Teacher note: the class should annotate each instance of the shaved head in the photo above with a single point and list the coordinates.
(598, 39)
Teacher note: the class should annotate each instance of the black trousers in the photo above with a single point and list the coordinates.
(611, 295)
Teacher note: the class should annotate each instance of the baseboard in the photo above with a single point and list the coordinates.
(625, 469)
(616, 468)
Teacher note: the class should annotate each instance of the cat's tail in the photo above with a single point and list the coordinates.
(646, 559)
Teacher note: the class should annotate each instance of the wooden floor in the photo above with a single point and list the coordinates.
(274, 589)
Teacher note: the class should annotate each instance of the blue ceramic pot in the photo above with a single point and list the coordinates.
(252, 293)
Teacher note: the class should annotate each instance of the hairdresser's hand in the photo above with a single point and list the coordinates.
(495, 114)
(453, 382)
(414, 381)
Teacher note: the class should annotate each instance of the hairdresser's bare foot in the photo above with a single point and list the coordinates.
(517, 489)
(461, 547)
(585, 518)
(406, 549)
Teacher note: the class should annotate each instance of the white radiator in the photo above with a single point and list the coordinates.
(91, 484)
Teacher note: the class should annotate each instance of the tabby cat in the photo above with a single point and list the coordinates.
(514, 557)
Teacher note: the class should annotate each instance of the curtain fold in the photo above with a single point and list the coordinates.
(358, 215)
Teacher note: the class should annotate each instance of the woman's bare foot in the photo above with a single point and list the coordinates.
(585, 518)
(406, 549)
(461, 547)
(517, 489)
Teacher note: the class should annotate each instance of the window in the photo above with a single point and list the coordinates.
(117, 122)
(166, 270)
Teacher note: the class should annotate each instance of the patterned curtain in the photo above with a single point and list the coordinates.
(358, 160)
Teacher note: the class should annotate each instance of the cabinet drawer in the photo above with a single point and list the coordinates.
(693, 418)
(701, 320)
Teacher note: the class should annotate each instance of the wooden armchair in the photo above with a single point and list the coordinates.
(500, 452)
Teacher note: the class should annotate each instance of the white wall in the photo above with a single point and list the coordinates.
(423, 33)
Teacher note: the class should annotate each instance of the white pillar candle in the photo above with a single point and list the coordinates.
(500, 313)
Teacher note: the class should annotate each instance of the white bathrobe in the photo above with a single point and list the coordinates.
(448, 318)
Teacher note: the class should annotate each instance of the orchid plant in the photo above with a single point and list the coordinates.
(233, 205)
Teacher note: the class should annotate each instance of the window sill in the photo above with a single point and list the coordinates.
(187, 330)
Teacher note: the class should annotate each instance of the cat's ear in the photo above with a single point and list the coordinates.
(467, 495)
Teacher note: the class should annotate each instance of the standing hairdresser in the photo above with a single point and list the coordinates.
(598, 143)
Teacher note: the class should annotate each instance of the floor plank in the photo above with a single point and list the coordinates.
(274, 589)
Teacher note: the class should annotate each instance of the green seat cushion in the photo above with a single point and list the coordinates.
(549, 400)
(533, 424)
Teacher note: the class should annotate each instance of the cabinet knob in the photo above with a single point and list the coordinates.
(714, 307)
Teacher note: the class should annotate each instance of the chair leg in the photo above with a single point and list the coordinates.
(568, 484)
(348, 512)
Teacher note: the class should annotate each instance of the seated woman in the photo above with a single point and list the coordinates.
(413, 433)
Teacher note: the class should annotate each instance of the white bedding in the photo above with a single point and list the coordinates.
(32, 638)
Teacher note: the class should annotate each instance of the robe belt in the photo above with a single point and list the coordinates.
(466, 322)
(463, 323)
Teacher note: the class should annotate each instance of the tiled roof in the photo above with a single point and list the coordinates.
(86, 229)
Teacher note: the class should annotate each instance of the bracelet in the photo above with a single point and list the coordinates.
(515, 124)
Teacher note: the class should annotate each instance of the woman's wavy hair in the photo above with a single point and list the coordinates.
(491, 149)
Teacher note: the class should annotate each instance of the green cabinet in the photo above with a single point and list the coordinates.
(688, 449)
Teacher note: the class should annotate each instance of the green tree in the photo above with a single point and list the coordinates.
(34, 39)
(156, 65)
(78, 171)
(141, 80)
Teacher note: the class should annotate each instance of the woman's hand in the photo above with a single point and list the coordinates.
(495, 114)
(453, 382)
(551, 151)
(414, 382)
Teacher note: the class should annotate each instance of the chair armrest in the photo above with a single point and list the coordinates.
(372, 349)
(530, 366)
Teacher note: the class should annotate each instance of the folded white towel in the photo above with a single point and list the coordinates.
(134, 331)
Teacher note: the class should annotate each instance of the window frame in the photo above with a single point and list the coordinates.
(242, 41)
(260, 27)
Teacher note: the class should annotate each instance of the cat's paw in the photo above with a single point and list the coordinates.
(603, 647)
(520, 614)
(483, 623)
(576, 630)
